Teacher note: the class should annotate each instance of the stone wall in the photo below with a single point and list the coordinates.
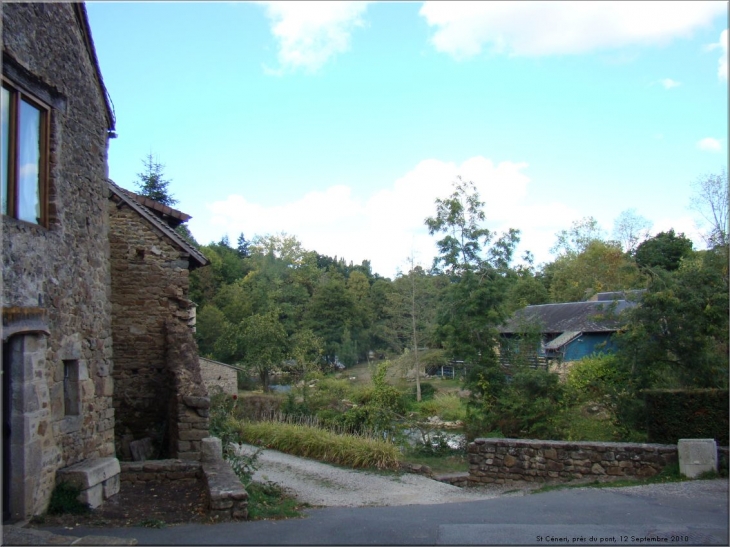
(218, 377)
(58, 273)
(507, 460)
(227, 498)
(159, 392)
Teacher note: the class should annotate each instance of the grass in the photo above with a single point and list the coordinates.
(319, 444)
(152, 523)
(267, 500)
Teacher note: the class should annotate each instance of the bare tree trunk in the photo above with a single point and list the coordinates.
(415, 335)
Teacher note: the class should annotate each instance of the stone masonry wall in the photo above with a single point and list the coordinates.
(507, 460)
(218, 377)
(149, 286)
(62, 269)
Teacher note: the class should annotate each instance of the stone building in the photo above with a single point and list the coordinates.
(56, 306)
(159, 395)
(219, 377)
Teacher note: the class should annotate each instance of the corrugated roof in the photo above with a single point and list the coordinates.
(570, 316)
(197, 258)
(562, 340)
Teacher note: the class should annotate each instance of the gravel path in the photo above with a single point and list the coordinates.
(324, 485)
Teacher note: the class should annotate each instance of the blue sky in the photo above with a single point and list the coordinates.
(341, 123)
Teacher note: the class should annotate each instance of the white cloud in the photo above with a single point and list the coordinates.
(722, 63)
(668, 83)
(310, 33)
(709, 144)
(335, 222)
(554, 28)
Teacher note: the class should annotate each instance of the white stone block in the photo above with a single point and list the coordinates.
(211, 449)
(94, 496)
(696, 456)
(89, 473)
(111, 486)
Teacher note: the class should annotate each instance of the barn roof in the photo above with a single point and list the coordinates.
(596, 316)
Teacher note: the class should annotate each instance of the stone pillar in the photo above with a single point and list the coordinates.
(697, 456)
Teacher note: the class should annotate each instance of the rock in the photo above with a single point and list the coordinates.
(141, 450)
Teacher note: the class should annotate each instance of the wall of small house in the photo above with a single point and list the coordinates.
(586, 344)
(149, 286)
(56, 278)
(218, 377)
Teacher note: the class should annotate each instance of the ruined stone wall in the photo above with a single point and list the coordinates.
(62, 269)
(218, 377)
(506, 460)
(149, 286)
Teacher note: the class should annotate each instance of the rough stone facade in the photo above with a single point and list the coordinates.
(159, 393)
(56, 277)
(218, 377)
(506, 460)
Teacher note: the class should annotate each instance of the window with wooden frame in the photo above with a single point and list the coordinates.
(24, 142)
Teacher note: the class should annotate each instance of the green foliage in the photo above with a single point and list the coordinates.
(313, 442)
(687, 414)
(427, 392)
(599, 267)
(530, 405)
(576, 240)
(224, 413)
(447, 406)
(152, 523)
(665, 250)
(267, 501)
(678, 336)
(605, 381)
(64, 501)
(258, 342)
(152, 184)
(243, 465)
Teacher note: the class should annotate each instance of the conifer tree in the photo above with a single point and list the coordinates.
(152, 184)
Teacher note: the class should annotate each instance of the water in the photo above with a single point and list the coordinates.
(454, 439)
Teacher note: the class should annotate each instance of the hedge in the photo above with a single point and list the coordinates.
(674, 414)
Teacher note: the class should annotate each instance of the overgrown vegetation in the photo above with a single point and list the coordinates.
(356, 451)
(64, 501)
(271, 304)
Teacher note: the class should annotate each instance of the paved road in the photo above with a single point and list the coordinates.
(689, 513)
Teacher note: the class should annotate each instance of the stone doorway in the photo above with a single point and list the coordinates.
(7, 408)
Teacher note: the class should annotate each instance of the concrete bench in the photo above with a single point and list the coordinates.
(98, 479)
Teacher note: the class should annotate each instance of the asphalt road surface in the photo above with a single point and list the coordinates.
(687, 513)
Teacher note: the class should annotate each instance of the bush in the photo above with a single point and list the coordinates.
(64, 500)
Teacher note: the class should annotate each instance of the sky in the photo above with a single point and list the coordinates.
(341, 123)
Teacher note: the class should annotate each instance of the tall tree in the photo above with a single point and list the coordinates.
(577, 238)
(152, 183)
(600, 267)
(258, 342)
(665, 250)
(478, 266)
(679, 333)
(710, 200)
(630, 229)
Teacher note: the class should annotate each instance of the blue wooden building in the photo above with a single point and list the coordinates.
(567, 331)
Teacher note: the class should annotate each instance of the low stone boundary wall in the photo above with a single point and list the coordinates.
(160, 471)
(506, 460)
(227, 498)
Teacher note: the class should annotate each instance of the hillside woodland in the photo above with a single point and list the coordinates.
(269, 304)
